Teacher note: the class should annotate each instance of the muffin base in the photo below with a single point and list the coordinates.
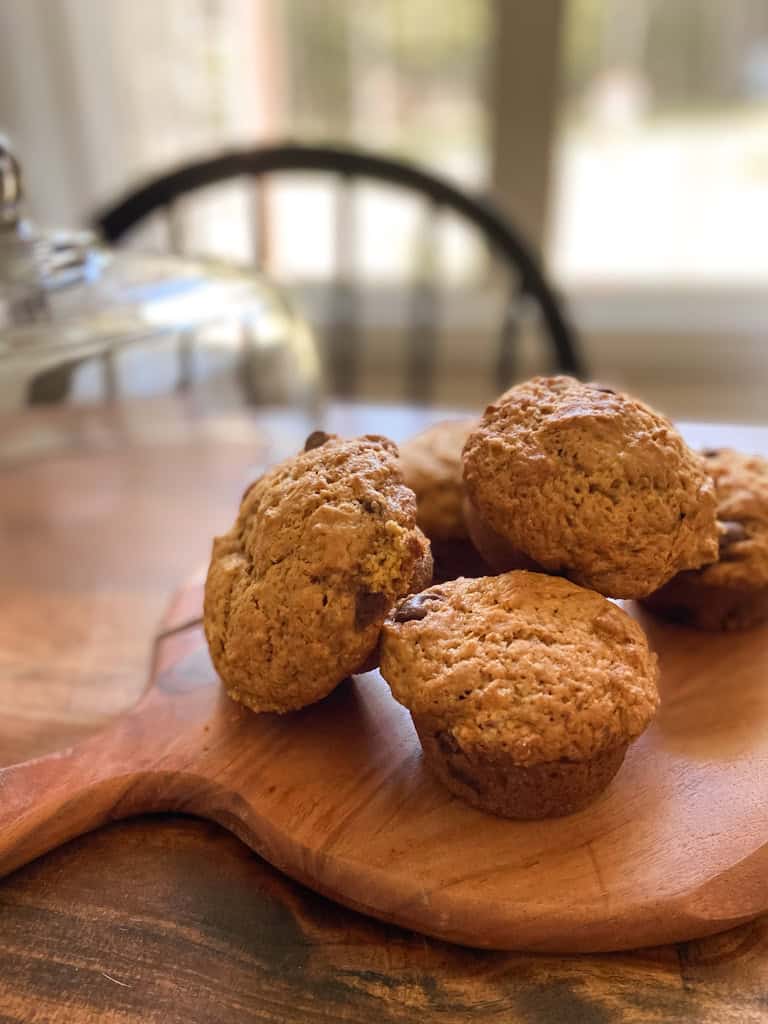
(716, 609)
(454, 558)
(491, 781)
(493, 548)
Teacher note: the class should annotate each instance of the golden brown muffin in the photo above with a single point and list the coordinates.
(432, 468)
(498, 554)
(525, 689)
(731, 593)
(592, 484)
(297, 591)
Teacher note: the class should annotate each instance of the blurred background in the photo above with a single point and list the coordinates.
(626, 139)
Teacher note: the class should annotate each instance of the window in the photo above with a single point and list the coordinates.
(158, 84)
(662, 156)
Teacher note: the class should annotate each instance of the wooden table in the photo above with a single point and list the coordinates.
(171, 919)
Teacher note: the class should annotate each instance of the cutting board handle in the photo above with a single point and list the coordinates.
(47, 801)
(126, 769)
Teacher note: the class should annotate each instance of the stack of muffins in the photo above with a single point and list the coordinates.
(526, 684)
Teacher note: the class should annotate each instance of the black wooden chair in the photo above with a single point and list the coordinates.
(527, 284)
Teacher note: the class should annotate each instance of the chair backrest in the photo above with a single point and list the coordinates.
(348, 166)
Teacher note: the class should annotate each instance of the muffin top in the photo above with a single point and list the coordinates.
(530, 662)
(591, 483)
(297, 591)
(432, 468)
(741, 489)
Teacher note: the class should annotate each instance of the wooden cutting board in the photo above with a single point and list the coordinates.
(337, 797)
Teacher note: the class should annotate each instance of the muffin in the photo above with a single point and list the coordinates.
(498, 553)
(591, 484)
(297, 591)
(432, 468)
(525, 690)
(732, 592)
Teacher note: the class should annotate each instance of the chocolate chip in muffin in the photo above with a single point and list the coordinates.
(711, 453)
(309, 605)
(415, 607)
(316, 439)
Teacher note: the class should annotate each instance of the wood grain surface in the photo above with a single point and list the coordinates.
(176, 921)
(186, 920)
(337, 796)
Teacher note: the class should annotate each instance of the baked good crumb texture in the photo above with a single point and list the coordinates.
(592, 484)
(731, 592)
(298, 589)
(520, 671)
(432, 468)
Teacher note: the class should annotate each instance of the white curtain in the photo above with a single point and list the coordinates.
(96, 94)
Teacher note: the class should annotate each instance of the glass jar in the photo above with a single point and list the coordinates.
(139, 395)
